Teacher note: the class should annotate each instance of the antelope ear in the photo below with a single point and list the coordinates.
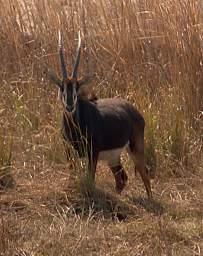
(85, 90)
(84, 81)
(52, 76)
(84, 87)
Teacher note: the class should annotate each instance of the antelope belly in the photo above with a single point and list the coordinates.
(111, 156)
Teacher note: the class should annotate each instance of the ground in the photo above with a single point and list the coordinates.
(47, 213)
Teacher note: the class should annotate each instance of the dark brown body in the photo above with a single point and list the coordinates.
(104, 125)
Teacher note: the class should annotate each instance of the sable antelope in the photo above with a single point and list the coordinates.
(104, 126)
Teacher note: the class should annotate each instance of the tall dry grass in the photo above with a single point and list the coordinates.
(149, 52)
(146, 51)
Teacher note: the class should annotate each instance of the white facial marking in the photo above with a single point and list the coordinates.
(74, 96)
(59, 94)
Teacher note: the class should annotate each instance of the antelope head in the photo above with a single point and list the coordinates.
(70, 87)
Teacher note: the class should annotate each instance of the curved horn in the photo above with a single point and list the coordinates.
(61, 56)
(77, 60)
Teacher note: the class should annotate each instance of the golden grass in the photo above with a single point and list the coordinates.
(149, 52)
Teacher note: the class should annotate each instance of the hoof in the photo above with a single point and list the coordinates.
(120, 189)
(121, 183)
(150, 172)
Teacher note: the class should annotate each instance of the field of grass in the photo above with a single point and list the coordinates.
(147, 51)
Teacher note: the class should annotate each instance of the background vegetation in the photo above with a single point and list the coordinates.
(149, 52)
